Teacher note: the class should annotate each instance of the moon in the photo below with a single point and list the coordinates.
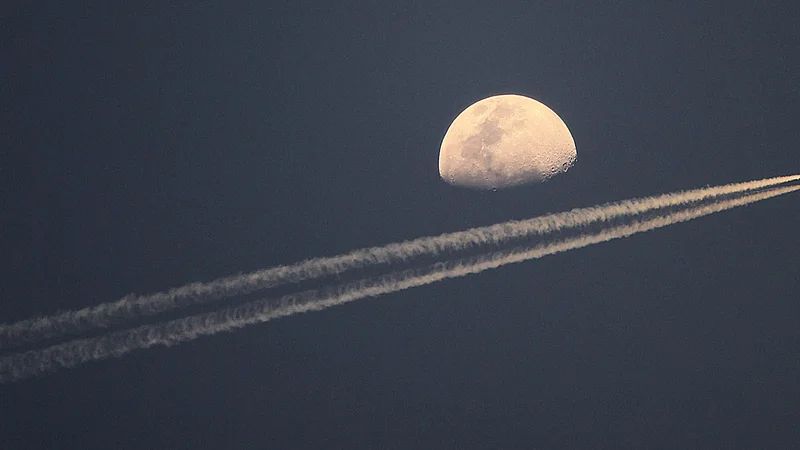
(505, 141)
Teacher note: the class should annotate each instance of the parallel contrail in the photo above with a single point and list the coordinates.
(118, 343)
(132, 307)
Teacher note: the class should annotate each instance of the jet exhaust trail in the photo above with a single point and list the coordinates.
(24, 365)
(132, 307)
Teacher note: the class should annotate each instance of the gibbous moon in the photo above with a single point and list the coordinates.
(505, 141)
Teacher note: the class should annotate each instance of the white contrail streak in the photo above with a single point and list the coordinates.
(132, 307)
(118, 343)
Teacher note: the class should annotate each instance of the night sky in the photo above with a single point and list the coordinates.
(150, 144)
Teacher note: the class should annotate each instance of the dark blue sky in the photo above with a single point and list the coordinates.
(157, 143)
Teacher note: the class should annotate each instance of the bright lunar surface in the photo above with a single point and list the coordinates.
(505, 141)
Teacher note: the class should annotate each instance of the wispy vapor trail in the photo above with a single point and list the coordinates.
(132, 307)
(118, 343)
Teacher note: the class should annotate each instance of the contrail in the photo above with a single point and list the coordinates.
(133, 307)
(118, 343)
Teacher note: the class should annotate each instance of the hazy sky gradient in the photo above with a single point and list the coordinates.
(153, 144)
